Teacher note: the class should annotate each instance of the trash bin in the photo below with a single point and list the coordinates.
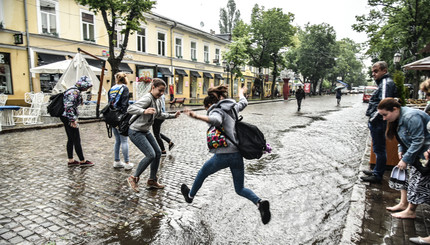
(392, 153)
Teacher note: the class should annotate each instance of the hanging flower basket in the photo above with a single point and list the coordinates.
(145, 79)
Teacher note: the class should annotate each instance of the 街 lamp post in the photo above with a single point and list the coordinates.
(228, 68)
(397, 58)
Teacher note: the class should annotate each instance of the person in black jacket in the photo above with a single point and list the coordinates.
(377, 126)
(300, 94)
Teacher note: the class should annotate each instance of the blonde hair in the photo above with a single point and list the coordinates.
(120, 77)
(425, 86)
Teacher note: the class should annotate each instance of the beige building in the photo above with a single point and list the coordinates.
(39, 32)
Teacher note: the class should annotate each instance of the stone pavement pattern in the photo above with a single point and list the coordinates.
(308, 179)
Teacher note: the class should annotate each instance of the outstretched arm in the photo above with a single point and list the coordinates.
(194, 115)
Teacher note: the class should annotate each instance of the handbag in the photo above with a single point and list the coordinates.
(423, 166)
(215, 138)
(398, 179)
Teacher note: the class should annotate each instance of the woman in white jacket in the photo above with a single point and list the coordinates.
(147, 109)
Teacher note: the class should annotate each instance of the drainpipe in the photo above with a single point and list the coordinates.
(171, 49)
(27, 36)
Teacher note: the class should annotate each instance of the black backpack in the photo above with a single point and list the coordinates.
(251, 141)
(56, 105)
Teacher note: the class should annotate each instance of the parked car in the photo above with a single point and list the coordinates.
(368, 91)
(354, 90)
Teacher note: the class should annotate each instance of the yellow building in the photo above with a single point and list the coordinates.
(39, 32)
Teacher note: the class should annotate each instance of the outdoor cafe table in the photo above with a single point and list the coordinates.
(7, 118)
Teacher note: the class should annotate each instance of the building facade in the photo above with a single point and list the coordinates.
(40, 32)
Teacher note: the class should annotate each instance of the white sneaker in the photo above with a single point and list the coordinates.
(128, 166)
(118, 164)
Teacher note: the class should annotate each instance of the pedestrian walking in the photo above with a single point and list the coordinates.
(72, 99)
(147, 109)
(217, 105)
(338, 95)
(156, 129)
(300, 94)
(119, 98)
(377, 126)
(409, 126)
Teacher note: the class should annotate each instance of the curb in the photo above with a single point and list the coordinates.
(22, 128)
(354, 219)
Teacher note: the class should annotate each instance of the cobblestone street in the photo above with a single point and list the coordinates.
(308, 179)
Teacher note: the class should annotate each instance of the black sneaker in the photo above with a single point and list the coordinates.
(171, 145)
(72, 164)
(371, 179)
(264, 208)
(86, 164)
(368, 172)
(185, 192)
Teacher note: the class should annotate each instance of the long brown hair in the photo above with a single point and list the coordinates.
(389, 104)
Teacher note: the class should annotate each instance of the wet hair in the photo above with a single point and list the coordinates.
(425, 86)
(157, 82)
(381, 64)
(215, 94)
(121, 78)
(389, 104)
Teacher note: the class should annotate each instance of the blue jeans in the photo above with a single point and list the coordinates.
(120, 141)
(148, 146)
(220, 161)
(377, 131)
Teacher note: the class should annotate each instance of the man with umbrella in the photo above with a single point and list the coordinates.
(377, 126)
(338, 90)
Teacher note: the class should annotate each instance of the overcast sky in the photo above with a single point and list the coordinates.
(338, 13)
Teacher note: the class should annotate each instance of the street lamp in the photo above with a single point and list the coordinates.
(397, 58)
(228, 68)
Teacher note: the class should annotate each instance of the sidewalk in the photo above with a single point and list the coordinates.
(377, 226)
(51, 122)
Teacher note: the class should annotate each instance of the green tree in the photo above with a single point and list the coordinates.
(315, 56)
(228, 17)
(236, 57)
(271, 32)
(349, 66)
(396, 26)
(119, 16)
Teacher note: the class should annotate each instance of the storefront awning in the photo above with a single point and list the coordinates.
(194, 74)
(181, 72)
(208, 75)
(218, 76)
(44, 59)
(165, 71)
(95, 63)
(124, 67)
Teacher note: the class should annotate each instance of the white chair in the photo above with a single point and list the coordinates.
(3, 99)
(31, 115)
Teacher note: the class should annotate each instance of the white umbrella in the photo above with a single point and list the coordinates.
(60, 67)
(339, 87)
(422, 64)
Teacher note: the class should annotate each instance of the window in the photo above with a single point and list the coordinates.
(161, 44)
(206, 53)
(178, 47)
(180, 85)
(5, 74)
(48, 17)
(193, 51)
(216, 81)
(141, 40)
(217, 57)
(88, 27)
(118, 39)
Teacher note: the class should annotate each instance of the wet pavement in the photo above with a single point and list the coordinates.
(310, 179)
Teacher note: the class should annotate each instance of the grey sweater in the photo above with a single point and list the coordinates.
(145, 121)
(220, 114)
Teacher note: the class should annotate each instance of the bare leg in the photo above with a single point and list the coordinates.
(403, 203)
